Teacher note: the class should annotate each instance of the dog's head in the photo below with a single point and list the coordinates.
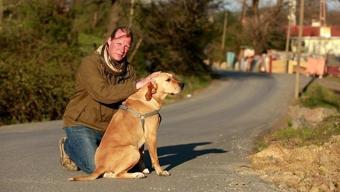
(164, 84)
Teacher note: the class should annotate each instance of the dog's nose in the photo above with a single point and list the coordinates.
(181, 85)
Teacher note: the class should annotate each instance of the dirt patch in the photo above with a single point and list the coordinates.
(302, 153)
(308, 168)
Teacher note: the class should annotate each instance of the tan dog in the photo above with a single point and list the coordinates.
(119, 151)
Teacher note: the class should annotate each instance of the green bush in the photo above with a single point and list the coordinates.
(317, 95)
(34, 91)
(37, 64)
(176, 43)
(306, 136)
(292, 137)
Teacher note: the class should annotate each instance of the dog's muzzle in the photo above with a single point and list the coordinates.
(181, 85)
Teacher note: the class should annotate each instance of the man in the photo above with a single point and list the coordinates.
(104, 79)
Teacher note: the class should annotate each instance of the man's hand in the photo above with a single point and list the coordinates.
(147, 79)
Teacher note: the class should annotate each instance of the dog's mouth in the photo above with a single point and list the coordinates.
(174, 92)
(177, 90)
(181, 85)
(170, 93)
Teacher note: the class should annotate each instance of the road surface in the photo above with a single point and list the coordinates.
(204, 142)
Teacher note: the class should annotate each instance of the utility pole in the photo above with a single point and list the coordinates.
(223, 37)
(132, 8)
(224, 30)
(244, 11)
(297, 79)
(291, 21)
(323, 12)
(1, 13)
(287, 47)
(131, 12)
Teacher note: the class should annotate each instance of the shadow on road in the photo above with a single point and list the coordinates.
(172, 156)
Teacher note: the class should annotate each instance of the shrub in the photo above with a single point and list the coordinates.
(37, 64)
(317, 95)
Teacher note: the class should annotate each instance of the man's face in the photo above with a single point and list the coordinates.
(119, 45)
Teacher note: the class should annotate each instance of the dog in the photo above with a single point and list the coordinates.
(134, 124)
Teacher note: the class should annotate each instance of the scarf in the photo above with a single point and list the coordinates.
(113, 69)
(116, 67)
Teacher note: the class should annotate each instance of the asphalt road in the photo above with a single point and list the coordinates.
(204, 142)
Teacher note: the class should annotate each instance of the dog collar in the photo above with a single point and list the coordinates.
(141, 116)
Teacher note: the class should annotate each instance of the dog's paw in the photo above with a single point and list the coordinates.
(109, 175)
(163, 173)
(146, 171)
(139, 175)
(71, 179)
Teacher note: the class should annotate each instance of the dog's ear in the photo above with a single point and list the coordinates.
(152, 89)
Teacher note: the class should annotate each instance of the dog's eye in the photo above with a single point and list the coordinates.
(168, 79)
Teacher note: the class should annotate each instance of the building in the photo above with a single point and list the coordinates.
(321, 46)
(317, 40)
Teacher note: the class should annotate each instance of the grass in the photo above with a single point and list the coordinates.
(315, 96)
(306, 136)
(291, 137)
(319, 96)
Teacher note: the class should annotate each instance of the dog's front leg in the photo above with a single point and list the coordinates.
(141, 163)
(152, 146)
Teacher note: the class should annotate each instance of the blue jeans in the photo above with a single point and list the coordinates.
(81, 144)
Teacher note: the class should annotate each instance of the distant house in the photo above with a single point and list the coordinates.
(317, 40)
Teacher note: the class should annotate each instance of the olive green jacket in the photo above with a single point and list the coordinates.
(98, 94)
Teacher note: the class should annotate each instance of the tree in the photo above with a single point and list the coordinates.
(262, 27)
(268, 23)
(175, 34)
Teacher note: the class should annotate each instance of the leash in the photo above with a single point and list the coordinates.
(141, 116)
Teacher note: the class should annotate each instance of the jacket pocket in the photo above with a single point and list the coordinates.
(75, 108)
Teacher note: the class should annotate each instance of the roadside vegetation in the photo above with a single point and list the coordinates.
(303, 154)
(292, 137)
(289, 136)
(319, 96)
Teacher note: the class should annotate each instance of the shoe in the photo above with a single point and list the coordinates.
(65, 160)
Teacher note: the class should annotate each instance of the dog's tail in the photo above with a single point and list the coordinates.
(99, 171)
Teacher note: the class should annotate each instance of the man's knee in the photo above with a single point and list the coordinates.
(81, 145)
(87, 166)
(84, 159)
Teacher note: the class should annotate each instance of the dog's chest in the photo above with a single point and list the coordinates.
(141, 142)
(140, 135)
(149, 129)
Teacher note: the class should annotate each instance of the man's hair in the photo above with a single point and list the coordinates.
(125, 30)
